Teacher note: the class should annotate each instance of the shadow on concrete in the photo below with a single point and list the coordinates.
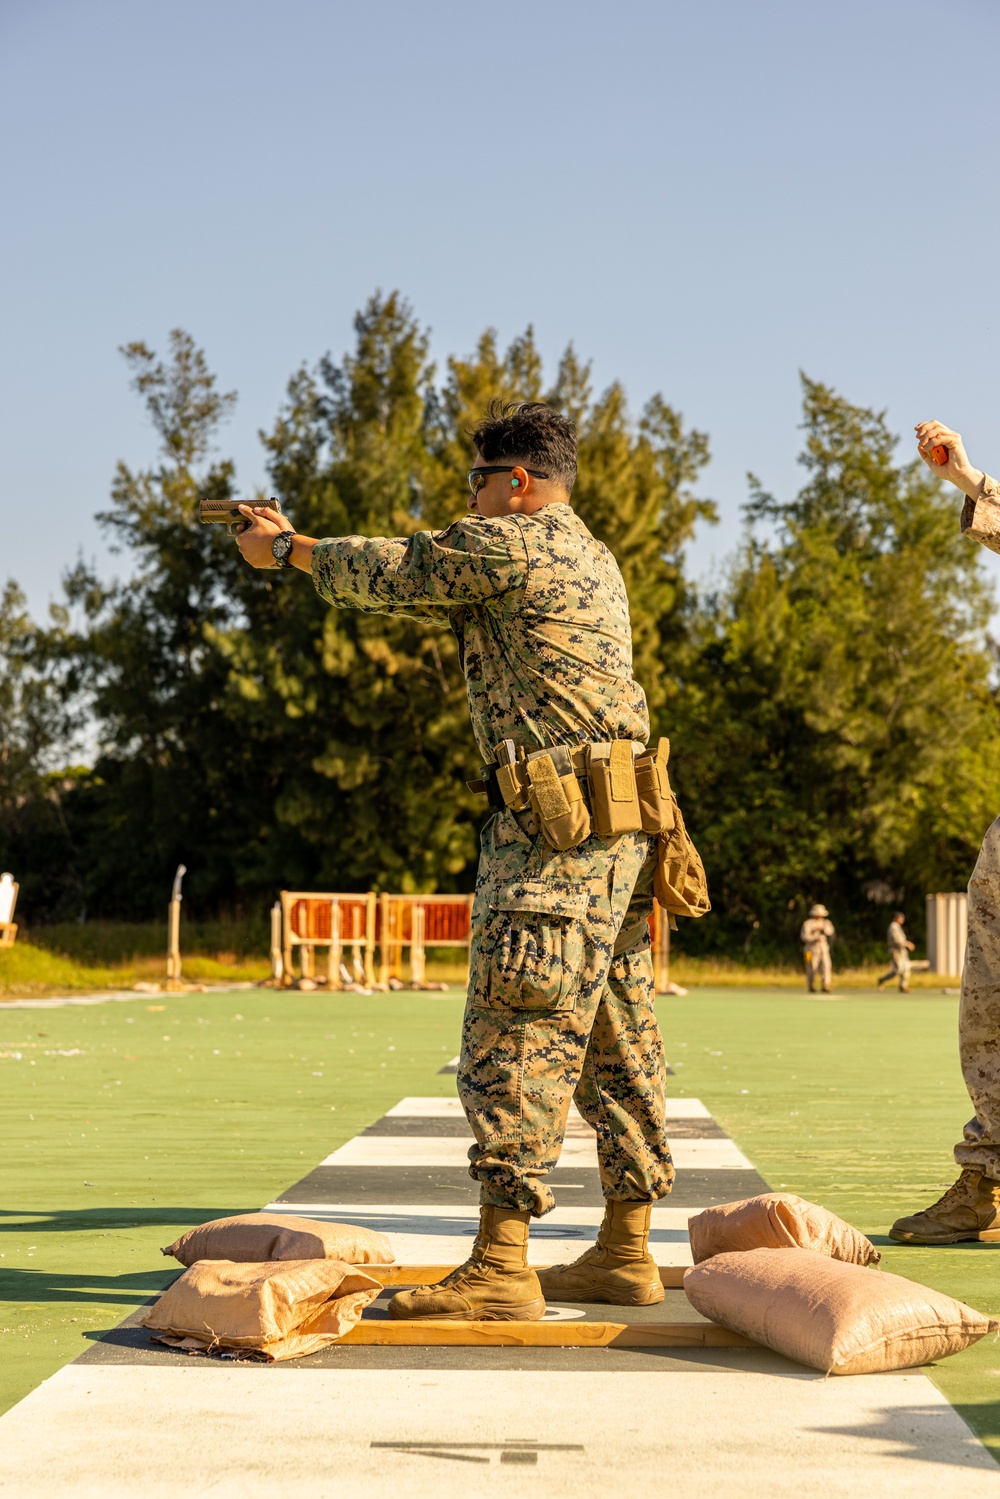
(910, 1432)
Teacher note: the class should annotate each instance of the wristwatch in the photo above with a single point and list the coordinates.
(281, 548)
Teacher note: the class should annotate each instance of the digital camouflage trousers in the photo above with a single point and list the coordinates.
(560, 1007)
(979, 1012)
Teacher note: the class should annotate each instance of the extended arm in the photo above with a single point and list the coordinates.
(981, 511)
(471, 562)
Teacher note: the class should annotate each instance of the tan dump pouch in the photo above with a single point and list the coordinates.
(679, 882)
(656, 806)
(557, 802)
(614, 797)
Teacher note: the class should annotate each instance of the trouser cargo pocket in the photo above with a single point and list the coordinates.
(530, 955)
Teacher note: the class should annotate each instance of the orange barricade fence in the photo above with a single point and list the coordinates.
(343, 923)
(418, 922)
(352, 925)
(659, 936)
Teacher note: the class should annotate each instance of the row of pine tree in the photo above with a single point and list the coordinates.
(831, 703)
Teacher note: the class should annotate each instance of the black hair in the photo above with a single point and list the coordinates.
(531, 434)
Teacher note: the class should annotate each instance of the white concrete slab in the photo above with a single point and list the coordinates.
(116, 996)
(577, 1151)
(442, 1235)
(238, 1432)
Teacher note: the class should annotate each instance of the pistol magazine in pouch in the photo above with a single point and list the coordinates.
(656, 803)
(614, 795)
(511, 776)
(556, 798)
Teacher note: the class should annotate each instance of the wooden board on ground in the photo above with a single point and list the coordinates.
(427, 1332)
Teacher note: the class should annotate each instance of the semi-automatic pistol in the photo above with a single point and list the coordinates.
(227, 512)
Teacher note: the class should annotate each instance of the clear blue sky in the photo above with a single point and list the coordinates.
(704, 197)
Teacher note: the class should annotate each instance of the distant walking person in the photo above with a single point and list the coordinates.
(817, 929)
(900, 948)
(971, 1204)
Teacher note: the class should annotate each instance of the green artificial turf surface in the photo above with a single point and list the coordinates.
(123, 1124)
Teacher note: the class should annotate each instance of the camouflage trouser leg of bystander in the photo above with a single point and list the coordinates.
(560, 1002)
(979, 1013)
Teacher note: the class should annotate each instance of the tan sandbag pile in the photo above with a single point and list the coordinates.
(254, 1237)
(777, 1220)
(278, 1310)
(836, 1317)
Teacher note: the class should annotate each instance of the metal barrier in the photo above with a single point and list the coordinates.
(334, 921)
(8, 904)
(947, 925)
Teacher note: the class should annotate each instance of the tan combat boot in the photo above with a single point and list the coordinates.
(493, 1285)
(618, 1269)
(969, 1206)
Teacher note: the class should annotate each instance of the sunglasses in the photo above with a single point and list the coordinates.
(477, 476)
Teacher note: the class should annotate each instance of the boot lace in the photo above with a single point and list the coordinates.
(960, 1192)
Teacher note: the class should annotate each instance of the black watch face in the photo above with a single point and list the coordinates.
(281, 546)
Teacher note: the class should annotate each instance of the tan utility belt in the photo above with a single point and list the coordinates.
(609, 787)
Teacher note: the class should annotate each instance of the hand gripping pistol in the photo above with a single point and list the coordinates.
(227, 513)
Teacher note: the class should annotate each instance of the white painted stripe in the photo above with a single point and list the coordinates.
(451, 1108)
(427, 1108)
(442, 1235)
(242, 1432)
(435, 1150)
(687, 1108)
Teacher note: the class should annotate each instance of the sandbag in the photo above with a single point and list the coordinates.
(836, 1317)
(277, 1310)
(255, 1237)
(777, 1220)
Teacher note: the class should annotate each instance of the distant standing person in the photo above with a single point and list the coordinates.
(817, 929)
(900, 947)
(971, 1204)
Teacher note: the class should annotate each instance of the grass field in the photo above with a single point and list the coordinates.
(125, 1123)
(117, 955)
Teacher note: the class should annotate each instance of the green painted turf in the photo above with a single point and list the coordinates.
(174, 1111)
(855, 1104)
(213, 1104)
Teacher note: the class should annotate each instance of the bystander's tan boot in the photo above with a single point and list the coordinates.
(618, 1269)
(968, 1207)
(493, 1285)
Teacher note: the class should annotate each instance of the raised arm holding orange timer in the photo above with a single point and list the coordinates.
(944, 452)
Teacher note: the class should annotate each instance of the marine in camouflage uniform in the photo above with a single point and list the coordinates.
(972, 1204)
(560, 999)
(899, 947)
(815, 936)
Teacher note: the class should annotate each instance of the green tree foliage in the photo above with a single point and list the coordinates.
(265, 739)
(838, 730)
(831, 706)
(36, 733)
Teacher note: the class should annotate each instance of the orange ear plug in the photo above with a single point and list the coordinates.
(940, 454)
